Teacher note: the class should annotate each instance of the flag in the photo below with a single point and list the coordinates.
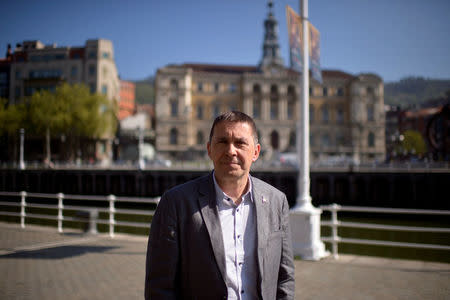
(314, 52)
(295, 39)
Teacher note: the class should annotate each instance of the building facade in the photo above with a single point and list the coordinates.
(127, 105)
(346, 111)
(34, 66)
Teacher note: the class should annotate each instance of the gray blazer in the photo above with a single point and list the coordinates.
(185, 254)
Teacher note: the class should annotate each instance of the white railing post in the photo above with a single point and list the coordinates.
(23, 204)
(60, 211)
(111, 199)
(334, 229)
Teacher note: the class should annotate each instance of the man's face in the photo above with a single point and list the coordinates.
(232, 150)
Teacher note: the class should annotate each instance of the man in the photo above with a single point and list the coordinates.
(225, 235)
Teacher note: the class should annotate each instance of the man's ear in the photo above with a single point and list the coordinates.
(257, 151)
(208, 148)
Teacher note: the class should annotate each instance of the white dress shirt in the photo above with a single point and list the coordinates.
(238, 223)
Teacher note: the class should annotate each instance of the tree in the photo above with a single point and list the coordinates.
(414, 143)
(71, 111)
(12, 118)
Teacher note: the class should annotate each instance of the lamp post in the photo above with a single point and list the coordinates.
(22, 138)
(304, 217)
(141, 163)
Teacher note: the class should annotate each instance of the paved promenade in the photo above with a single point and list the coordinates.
(39, 263)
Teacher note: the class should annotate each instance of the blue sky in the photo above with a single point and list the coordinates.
(392, 38)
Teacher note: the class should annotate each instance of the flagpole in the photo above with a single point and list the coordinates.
(304, 198)
(304, 217)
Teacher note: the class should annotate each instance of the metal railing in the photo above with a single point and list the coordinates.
(334, 239)
(61, 207)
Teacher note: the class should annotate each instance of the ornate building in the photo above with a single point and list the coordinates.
(346, 111)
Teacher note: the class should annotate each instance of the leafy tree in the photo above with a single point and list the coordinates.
(12, 118)
(71, 111)
(413, 142)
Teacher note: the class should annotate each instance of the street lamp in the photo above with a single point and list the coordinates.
(22, 138)
(140, 148)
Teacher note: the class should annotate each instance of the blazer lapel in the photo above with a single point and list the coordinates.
(210, 213)
(262, 210)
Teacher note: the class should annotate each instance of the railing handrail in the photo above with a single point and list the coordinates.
(384, 210)
(60, 207)
(335, 223)
(153, 200)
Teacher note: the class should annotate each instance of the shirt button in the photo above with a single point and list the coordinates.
(242, 291)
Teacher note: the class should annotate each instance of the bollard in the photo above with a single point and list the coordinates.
(89, 217)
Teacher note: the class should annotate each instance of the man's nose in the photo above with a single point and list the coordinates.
(231, 149)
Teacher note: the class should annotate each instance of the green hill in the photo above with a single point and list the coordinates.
(145, 92)
(412, 91)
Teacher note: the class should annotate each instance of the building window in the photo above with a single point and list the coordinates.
(325, 91)
(292, 140)
(18, 75)
(200, 86)
(312, 111)
(274, 102)
(370, 113)
(104, 89)
(73, 71)
(312, 140)
(200, 111)
(173, 136)
(173, 107)
(91, 70)
(257, 101)
(325, 141)
(105, 54)
(325, 114)
(311, 91)
(371, 139)
(93, 88)
(340, 92)
(92, 54)
(340, 139)
(17, 92)
(216, 87)
(291, 103)
(174, 85)
(370, 91)
(200, 138)
(232, 87)
(216, 110)
(274, 140)
(340, 115)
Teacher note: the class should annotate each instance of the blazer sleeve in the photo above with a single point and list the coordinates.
(163, 253)
(286, 274)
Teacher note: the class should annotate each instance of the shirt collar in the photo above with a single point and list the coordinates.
(220, 195)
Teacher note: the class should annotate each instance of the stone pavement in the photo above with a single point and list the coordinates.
(39, 263)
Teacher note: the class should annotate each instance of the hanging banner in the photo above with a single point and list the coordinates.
(294, 23)
(314, 52)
